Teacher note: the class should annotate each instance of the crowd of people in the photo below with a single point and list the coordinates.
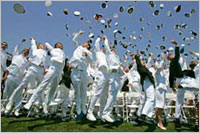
(50, 74)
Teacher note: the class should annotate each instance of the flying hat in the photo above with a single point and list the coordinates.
(116, 23)
(77, 13)
(121, 9)
(66, 12)
(169, 13)
(187, 15)
(193, 33)
(192, 11)
(19, 8)
(104, 5)
(141, 19)
(48, 3)
(66, 26)
(49, 14)
(115, 15)
(151, 3)
(91, 35)
(156, 12)
(162, 6)
(170, 49)
(130, 9)
(102, 21)
(177, 8)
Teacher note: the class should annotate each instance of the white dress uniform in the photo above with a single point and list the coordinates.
(134, 80)
(51, 78)
(16, 73)
(115, 72)
(79, 75)
(101, 90)
(34, 72)
(161, 88)
(188, 84)
(4, 58)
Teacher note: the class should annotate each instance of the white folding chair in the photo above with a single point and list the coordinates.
(129, 97)
(120, 104)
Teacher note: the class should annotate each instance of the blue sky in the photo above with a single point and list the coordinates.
(35, 23)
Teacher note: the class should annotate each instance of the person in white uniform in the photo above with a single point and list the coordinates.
(161, 88)
(115, 72)
(51, 78)
(15, 73)
(4, 57)
(101, 90)
(80, 60)
(34, 72)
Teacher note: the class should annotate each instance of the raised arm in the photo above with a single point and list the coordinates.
(33, 45)
(107, 47)
(76, 35)
(49, 47)
(150, 61)
(97, 47)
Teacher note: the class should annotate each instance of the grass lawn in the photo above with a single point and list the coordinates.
(24, 124)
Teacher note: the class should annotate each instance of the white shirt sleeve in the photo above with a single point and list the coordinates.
(76, 35)
(97, 47)
(48, 46)
(107, 47)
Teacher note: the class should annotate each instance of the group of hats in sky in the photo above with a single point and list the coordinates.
(107, 23)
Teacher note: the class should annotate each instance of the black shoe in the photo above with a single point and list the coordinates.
(78, 118)
(177, 123)
(149, 121)
(83, 116)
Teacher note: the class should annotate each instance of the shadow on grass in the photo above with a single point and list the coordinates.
(54, 121)
(186, 127)
(150, 128)
(29, 120)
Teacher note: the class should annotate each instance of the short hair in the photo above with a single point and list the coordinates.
(4, 43)
(57, 44)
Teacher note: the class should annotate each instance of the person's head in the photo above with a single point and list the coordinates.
(132, 56)
(126, 70)
(192, 64)
(87, 45)
(171, 56)
(114, 50)
(59, 45)
(4, 45)
(41, 46)
(102, 50)
(25, 52)
(143, 63)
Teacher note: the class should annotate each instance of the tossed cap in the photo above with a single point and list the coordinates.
(19, 8)
(162, 6)
(77, 13)
(48, 3)
(156, 12)
(169, 13)
(49, 14)
(121, 9)
(115, 15)
(177, 8)
(66, 12)
(104, 5)
(130, 9)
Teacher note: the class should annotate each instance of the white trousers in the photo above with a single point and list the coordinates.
(149, 99)
(79, 82)
(101, 91)
(63, 93)
(114, 87)
(136, 87)
(51, 79)
(11, 83)
(160, 95)
(31, 75)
